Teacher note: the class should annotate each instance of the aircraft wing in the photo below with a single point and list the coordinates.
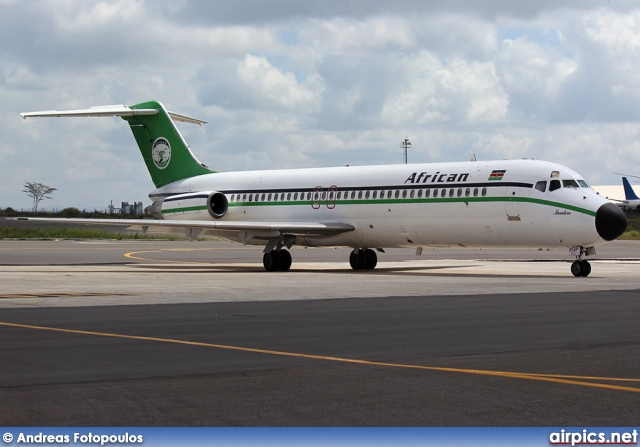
(194, 228)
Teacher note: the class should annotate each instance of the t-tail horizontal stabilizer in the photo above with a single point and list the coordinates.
(166, 154)
(113, 110)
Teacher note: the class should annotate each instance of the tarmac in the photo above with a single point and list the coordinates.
(140, 333)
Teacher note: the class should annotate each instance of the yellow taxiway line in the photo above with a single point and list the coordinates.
(556, 378)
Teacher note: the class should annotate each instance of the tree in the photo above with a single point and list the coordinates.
(38, 192)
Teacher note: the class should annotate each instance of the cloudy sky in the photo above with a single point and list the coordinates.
(289, 84)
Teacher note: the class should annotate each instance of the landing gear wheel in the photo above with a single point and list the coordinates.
(363, 259)
(371, 259)
(576, 268)
(285, 260)
(586, 268)
(581, 268)
(357, 260)
(271, 261)
(277, 260)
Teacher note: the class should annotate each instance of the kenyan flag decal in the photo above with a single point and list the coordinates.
(497, 175)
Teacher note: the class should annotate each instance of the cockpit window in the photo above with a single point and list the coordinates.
(541, 186)
(554, 184)
(570, 184)
(583, 184)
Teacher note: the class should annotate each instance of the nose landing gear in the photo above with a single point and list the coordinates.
(581, 267)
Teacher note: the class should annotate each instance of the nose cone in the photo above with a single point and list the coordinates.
(610, 221)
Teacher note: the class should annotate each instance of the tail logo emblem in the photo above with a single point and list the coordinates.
(161, 153)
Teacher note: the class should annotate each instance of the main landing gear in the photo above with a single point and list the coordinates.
(277, 260)
(363, 259)
(581, 267)
(280, 260)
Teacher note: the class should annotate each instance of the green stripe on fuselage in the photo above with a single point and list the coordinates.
(309, 203)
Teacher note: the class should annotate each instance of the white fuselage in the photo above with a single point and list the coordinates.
(472, 204)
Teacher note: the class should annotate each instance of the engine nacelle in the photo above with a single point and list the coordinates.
(205, 203)
(217, 205)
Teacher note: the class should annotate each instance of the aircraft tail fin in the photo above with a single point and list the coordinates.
(165, 152)
(629, 193)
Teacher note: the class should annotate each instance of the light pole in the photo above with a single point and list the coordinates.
(406, 144)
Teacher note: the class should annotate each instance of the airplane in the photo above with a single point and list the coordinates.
(631, 201)
(503, 203)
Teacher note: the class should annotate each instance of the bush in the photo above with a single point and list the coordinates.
(9, 212)
(71, 212)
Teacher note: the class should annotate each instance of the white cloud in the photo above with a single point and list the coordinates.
(457, 92)
(533, 77)
(264, 82)
(340, 35)
(296, 84)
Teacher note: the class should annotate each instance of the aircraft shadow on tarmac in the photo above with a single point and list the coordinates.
(379, 271)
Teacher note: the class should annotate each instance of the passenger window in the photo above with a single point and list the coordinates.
(366, 195)
(554, 184)
(427, 193)
(359, 194)
(459, 192)
(419, 194)
(435, 193)
(467, 192)
(541, 186)
(475, 192)
(484, 192)
(375, 195)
